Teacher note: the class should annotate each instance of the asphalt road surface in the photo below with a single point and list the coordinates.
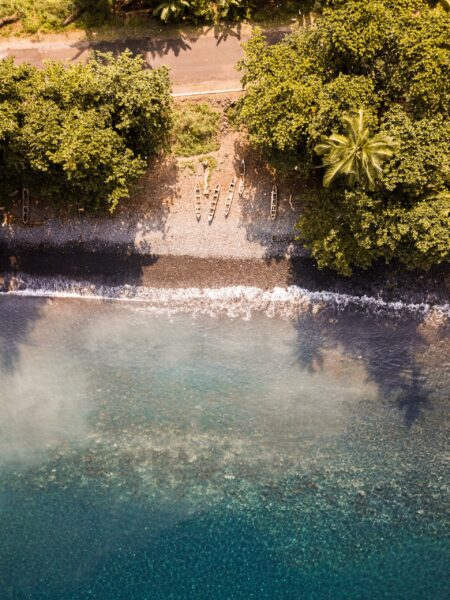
(198, 61)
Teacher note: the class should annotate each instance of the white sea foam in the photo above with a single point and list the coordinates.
(233, 301)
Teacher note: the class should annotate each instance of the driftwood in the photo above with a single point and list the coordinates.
(71, 18)
(283, 237)
(9, 19)
(205, 180)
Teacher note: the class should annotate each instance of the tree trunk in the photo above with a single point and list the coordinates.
(71, 18)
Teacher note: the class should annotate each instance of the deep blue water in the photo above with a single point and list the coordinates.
(152, 456)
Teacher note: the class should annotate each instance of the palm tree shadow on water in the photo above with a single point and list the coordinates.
(16, 323)
(18, 316)
(391, 348)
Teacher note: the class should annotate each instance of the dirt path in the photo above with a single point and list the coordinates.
(199, 60)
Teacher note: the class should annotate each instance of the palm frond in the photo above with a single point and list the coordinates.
(355, 154)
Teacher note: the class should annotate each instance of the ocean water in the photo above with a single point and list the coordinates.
(220, 445)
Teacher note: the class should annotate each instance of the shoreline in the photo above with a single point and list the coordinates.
(118, 266)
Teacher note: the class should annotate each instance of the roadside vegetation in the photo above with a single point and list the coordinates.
(31, 16)
(196, 129)
(358, 106)
(81, 134)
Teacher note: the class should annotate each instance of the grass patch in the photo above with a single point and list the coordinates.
(196, 129)
(208, 161)
(188, 165)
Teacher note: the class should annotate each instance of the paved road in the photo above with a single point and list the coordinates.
(198, 61)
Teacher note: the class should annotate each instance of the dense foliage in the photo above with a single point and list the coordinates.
(390, 58)
(81, 134)
(47, 15)
(44, 15)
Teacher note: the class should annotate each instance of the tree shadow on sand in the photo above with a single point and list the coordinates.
(149, 208)
(106, 249)
(277, 237)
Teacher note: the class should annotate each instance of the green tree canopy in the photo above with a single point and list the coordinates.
(352, 228)
(390, 58)
(422, 164)
(282, 84)
(81, 133)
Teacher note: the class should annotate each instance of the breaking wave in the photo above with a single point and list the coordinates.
(233, 301)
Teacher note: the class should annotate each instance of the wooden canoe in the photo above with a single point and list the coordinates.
(273, 203)
(198, 206)
(242, 179)
(212, 208)
(25, 205)
(230, 196)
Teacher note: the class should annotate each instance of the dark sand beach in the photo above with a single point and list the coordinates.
(119, 266)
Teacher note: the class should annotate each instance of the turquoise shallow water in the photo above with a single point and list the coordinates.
(146, 455)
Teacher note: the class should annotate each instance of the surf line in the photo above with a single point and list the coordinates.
(289, 299)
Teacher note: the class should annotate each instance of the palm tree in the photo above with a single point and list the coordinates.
(356, 154)
(171, 9)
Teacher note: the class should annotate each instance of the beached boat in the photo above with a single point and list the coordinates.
(25, 205)
(212, 208)
(242, 179)
(230, 196)
(273, 203)
(198, 206)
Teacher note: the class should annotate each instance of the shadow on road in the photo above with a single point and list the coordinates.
(148, 48)
(222, 31)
